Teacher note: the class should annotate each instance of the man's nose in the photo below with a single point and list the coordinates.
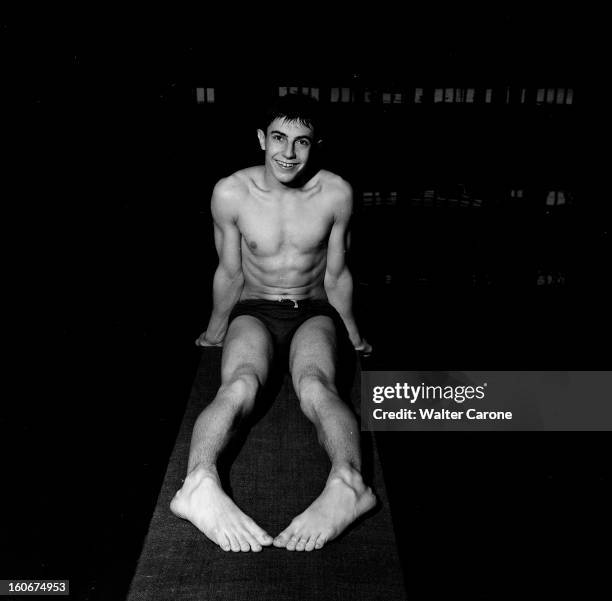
(289, 151)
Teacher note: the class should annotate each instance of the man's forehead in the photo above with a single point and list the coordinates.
(289, 127)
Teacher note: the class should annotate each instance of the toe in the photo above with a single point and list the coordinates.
(242, 541)
(320, 542)
(223, 542)
(282, 539)
(292, 542)
(301, 544)
(260, 535)
(234, 544)
(310, 545)
(252, 541)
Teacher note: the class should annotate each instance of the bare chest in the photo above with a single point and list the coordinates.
(293, 225)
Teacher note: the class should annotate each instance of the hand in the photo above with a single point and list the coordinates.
(364, 348)
(203, 341)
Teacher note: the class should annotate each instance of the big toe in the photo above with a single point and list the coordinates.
(282, 539)
(260, 535)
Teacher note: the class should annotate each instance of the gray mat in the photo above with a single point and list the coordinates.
(273, 473)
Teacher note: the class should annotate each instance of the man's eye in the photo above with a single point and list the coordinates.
(277, 138)
(305, 142)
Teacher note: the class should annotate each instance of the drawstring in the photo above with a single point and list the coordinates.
(295, 303)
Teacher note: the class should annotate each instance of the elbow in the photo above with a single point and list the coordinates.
(232, 276)
(334, 280)
(330, 282)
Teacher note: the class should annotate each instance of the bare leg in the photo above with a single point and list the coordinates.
(247, 353)
(345, 496)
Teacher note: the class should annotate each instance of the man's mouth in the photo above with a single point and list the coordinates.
(286, 165)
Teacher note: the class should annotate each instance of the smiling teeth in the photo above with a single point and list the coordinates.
(286, 164)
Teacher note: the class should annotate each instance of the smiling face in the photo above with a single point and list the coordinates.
(287, 145)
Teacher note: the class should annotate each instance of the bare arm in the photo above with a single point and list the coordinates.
(228, 280)
(338, 279)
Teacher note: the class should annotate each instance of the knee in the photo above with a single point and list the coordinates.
(313, 389)
(240, 390)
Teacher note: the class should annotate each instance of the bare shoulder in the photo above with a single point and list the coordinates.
(230, 187)
(228, 194)
(338, 192)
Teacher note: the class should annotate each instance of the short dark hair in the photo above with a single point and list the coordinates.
(299, 108)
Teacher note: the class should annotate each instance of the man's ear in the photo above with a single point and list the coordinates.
(262, 139)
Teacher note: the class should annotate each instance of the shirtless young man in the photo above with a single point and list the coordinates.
(281, 232)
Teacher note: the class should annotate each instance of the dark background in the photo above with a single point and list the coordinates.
(111, 259)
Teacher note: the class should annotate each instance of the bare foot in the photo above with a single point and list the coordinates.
(201, 500)
(344, 498)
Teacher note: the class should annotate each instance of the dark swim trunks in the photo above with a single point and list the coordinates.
(283, 318)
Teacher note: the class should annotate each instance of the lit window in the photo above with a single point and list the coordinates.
(560, 95)
(205, 95)
(555, 198)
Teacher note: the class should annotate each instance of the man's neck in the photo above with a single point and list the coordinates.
(303, 183)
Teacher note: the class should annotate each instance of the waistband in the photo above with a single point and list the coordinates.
(304, 302)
